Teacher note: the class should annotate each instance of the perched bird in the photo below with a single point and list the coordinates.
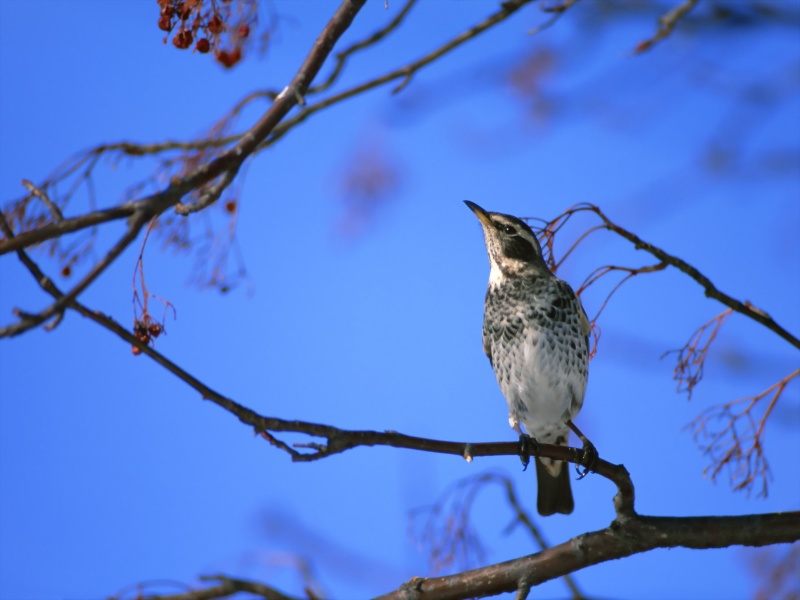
(536, 335)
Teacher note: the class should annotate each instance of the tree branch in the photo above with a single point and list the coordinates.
(62, 228)
(405, 73)
(447, 534)
(624, 537)
(266, 132)
(666, 24)
(28, 321)
(711, 291)
(341, 57)
(292, 94)
(337, 440)
(228, 586)
(227, 165)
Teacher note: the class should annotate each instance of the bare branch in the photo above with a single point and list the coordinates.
(666, 24)
(447, 533)
(43, 280)
(745, 308)
(730, 434)
(711, 291)
(624, 537)
(28, 321)
(226, 165)
(207, 197)
(739, 444)
(266, 132)
(405, 73)
(340, 440)
(227, 586)
(55, 212)
(337, 440)
(232, 159)
(61, 228)
(341, 57)
(692, 357)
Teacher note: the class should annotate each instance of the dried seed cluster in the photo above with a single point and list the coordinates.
(208, 24)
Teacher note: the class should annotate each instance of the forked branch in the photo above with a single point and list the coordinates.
(743, 307)
(225, 167)
(620, 539)
(732, 435)
(444, 529)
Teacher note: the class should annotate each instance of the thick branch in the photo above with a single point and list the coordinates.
(28, 321)
(269, 128)
(624, 537)
(227, 164)
(628, 534)
(232, 159)
(338, 440)
(61, 228)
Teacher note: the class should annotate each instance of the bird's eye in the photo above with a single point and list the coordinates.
(509, 229)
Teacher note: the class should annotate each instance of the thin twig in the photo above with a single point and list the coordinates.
(341, 57)
(711, 291)
(666, 24)
(207, 196)
(227, 586)
(230, 160)
(227, 165)
(55, 212)
(524, 517)
(28, 320)
(405, 73)
(446, 531)
(337, 440)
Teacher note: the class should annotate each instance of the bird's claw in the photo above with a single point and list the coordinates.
(527, 445)
(589, 457)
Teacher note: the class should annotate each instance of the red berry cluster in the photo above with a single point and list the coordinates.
(205, 27)
(145, 331)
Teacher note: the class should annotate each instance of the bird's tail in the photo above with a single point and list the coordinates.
(555, 491)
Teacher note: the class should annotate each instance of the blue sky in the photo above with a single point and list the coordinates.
(112, 472)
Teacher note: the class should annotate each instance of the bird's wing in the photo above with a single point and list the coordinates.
(586, 327)
(487, 348)
(583, 320)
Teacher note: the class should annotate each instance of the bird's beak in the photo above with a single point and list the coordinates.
(479, 212)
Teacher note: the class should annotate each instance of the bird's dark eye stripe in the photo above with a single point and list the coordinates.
(519, 248)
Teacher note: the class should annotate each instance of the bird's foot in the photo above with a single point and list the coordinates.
(527, 444)
(589, 457)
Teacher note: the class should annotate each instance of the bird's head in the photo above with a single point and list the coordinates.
(512, 246)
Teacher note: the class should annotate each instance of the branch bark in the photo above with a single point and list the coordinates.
(711, 291)
(623, 537)
(227, 164)
(269, 129)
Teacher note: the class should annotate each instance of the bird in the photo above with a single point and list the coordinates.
(536, 335)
